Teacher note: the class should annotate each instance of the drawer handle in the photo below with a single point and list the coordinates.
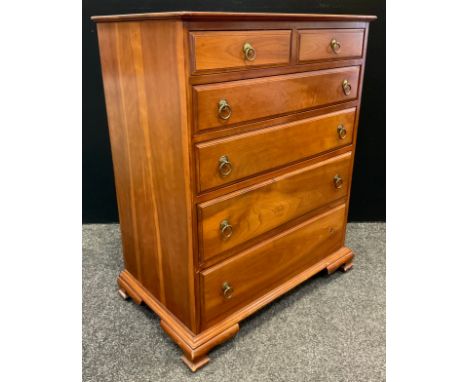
(346, 87)
(249, 52)
(335, 45)
(225, 229)
(341, 131)
(224, 166)
(338, 180)
(224, 109)
(227, 290)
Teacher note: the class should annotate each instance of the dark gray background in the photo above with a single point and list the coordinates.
(368, 189)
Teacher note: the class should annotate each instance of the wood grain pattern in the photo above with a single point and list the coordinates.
(228, 131)
(270, 263)
(235, 75)
(267, 205)
(151, 167)
(224, 49)
(267, 176)
(266, 97)
(287, 214)
(356, 122)
(237, 16)
(201, 343)
(314, 44)
(272, 147)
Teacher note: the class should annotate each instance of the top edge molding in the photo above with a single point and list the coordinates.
(232, 16)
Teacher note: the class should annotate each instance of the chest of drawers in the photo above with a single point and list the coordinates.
(233, 139)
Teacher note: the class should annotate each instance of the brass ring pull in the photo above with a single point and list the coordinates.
(249, 52)
(346, 87)
(224, 109)
(227, 290)
(335, 45)
(341, 131)
(225, 229)
(224, 166)
(338, 180)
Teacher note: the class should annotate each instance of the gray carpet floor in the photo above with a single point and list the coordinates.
(330, 328)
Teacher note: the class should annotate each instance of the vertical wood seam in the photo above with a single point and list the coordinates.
(144, 123)
(127, 144)
(186, 144)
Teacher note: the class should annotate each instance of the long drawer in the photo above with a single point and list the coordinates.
(241, 279)
(232, 219)
(224, 104)
(228, 159)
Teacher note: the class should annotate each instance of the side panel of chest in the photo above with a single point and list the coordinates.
(151, 167)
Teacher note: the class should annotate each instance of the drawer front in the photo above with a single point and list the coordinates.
(260, 268)
(224, 104)
(329, 44)
(240, 49)
(235, 218)
(225, 160)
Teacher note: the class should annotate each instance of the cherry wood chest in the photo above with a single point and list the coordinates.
(233, 138)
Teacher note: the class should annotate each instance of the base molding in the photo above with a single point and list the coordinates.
(345, 263)
(196, 357)
(196, 346)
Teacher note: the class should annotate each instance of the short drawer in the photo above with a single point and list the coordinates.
(229, 159)
(232, 219)
(330, 44)
(239, 280)
(239, 49)
(225, 104)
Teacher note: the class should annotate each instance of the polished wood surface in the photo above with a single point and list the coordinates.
(231, 130)
(286, 195)
(272, 147)
(237, 16)
(151, 167)
(315, 44)
(266, 176)
(269, 264)
(267, 205)
(266, 97)
(224, 49)
(196, 346)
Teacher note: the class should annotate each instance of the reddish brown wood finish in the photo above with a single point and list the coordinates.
(270, 263)
(232, 16)
(265, 206)
(151, 167)
(196, 347)
(315, 44)
(166, 141)
(224, 49)
(272, 147)
(266, 97)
